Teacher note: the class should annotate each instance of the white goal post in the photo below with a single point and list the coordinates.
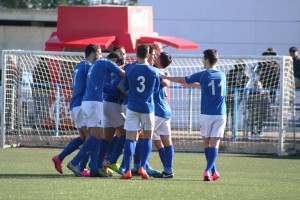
(36, 89)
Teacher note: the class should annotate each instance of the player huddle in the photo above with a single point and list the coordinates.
(103, 94)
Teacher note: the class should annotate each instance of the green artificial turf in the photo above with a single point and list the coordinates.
(30, 174)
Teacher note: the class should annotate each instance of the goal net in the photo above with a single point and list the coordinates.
(37, 87)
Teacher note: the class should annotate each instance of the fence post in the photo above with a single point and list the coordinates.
(57, 106)
(236, 112)
(190, 110)
(3, 130)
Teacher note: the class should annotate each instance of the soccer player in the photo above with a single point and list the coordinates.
(92, 53)
(162, 130)
(153, 54)
(115, 144)
(92, 108)
(213, 108)
(113, 118)
(141, 81)
(120, 50)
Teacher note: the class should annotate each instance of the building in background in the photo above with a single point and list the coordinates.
(231, 26)
(234, 27)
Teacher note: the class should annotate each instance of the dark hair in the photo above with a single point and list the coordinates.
(240, 66)
(118, 47)
(211, 55)
(293, 49)
(270, 52)
(112, 55)
(152, 49)
(165, 59)
(91, 48)
(142, 51)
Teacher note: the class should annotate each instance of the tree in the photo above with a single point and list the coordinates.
(53, 4)
(13, 4)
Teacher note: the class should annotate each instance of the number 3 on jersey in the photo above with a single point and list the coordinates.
(142, 86)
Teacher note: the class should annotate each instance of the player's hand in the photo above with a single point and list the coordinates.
(163, 76)
(186, 85)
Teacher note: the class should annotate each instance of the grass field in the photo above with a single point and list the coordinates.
(29, 174)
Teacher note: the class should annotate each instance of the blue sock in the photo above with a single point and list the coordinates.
(128, 152)
(123, 164)
(88, 146)
(102, 151)
(70, 148)
(84, 162)
(112, 145)
(148, 166)
(213, 169)
(146, 148)
(136, 156)
(169, 157)
(162, 155)
(94, 157)
(211, 159)
(114, 156)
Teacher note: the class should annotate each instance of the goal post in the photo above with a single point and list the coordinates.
(259, 120)
(37, 87)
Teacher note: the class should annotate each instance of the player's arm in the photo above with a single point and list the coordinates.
(121, 88)
(116, 69)
(122, 74)
(196, 85)
(176, 79)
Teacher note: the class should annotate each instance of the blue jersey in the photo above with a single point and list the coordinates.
(79, 82)
(112, 93)
(162, 108)
(97, 75)
(125, 101)
(142, 80)
(213, 91)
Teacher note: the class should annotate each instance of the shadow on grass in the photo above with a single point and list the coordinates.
(33, 176)
(57, 176)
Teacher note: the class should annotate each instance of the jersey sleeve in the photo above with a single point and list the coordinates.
(114, 67)
(194, 78)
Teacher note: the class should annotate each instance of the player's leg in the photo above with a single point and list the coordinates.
(93, 112)
(160, 148)
(205, 124)
(112, 163)
(112, 144)
(147, 124)
(136, 155)
(103, 147)
(169, 156)
(132, 125)
(213, 140)
(165, 134)
(212, 156)
(74, 144)
(161, 151)
(83, 132)
(114, 117)
(109, 111)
